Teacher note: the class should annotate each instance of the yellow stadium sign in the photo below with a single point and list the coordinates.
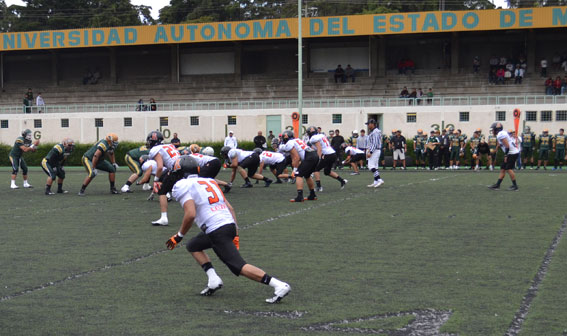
(337, 26)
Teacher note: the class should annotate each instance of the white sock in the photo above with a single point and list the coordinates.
(164, 215)
(276, 283)
(211, 273)
(13, 182)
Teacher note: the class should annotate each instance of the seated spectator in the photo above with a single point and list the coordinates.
(493, 62)
(349, 73)
(564, 86)
(557, 85)
(476, 64)
(430, 96)
(402, 67)
(549, 86)
(88, 77)
(340, 74)
(96, 76)
(523, 64)
(419, 95)
(412, 96)
(564, 66)
(140, 106)
(492, 76)
(404, 93)
(518, 74)
(410, 65)
(510, 67)
(507, 76)
(502, 63)
(500, 73)
(543, 65)
(153, 105)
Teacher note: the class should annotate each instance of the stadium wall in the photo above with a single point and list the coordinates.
(213, 124)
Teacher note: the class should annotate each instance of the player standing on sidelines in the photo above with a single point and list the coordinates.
(204, 203)
(511, 153)
(373, 152)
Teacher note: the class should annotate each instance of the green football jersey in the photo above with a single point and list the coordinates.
(528, 140)
(560, 141)
(102, 145)
(138, 152)
(16, 150)
(544, 141)
(492, 142)
(433, 139)
(419, 142)
(476, 141)
(455, 140)
(56, 155)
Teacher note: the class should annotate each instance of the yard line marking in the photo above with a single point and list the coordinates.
(135, 259)
(520, 317)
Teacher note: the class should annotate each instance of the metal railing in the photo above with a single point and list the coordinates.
(291, 103)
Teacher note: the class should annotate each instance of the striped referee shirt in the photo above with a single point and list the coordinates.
(374, 140)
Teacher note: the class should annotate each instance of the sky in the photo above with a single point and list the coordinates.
(159, 4)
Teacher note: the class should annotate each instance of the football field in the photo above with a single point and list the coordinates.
(428, 253)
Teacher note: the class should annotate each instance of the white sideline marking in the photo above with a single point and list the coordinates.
(268, 220)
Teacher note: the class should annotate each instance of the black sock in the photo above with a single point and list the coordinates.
(128, 183)
(265, 179)
(266, 279)
(59, 186)
(83, 187)
(47, 187)
(278, 180)
(340, 179)
(318, 183)
(247, 180)
(514, 183)
(207, 266)
(311, 192)
(300, 193)
(112, 185)
(499, 182)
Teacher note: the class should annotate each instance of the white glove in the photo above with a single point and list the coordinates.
(146, 187)
(116, 166)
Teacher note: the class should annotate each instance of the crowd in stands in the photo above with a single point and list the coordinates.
(504, 69)
(405, 65)
(343, 75)
(555, 87)
(152, 106)
(417, 95)
(28, 102)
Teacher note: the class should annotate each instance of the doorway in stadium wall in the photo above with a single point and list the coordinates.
(378, 118)
(274, 124)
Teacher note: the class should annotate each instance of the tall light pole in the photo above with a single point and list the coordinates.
(299, 66)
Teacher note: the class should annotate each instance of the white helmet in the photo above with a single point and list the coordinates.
(209, 151)
(355, 132)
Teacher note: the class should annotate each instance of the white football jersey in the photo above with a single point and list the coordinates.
(211, 209)
(271, 158)
(513, 147)
(299, 146)
(203, 159)
(150, 164)
(281, 149)
(326, 148)
(353, 151)
(241, 154)
(169, 154)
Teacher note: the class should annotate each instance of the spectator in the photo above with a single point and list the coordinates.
(29, 95)
(502, 62)
(362, 142)
(337, 142)
(410, 65)
(543, 65)
(404, 93)
(153, 105)
(564, 86)
(40, 103)
(175, 139)
(340, 74)
(331, 135)
(260, 141)
(96, 76)
(412, 96)
(321, 131)
(271, 136)
(493, 63)
(27, 104)
(230, 140)
(564, 66)
(500, 73)
(557, 86)
(518, 74)
(419, 95)
(430, 96)
(349, 73)
(523, 63)
(492, 79)
(549, 86)
(88, 77)
(140, 106)
(402, 67)
(510, 67)
(399, 147)
(507, 76)
(476, 64)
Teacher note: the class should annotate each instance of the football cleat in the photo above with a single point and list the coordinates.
(13, 186)
(81, 193)
(247, 185)
(311, 198)
(494, 187)
(27, 185)
(378, 184)
(161, 222)
(513, 188)
(62, 191)
(279, 293)
(297, 199)
(214, 285)
(355, 173)
(278, 181)
(268, 182)
(319, 189)
(113, 191)
(343, 184)
(227, 188)
(49, 192)
(125, 189)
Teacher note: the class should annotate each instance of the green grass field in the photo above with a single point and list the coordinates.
(429, 253)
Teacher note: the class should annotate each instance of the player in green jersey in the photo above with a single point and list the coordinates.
(454, 149)
(473, 144)
(94, 159)
(528, 146)
(23, 144)
(493, 147)
(559, 141)
(545, 141)
(132, 159)
(52, 165)
(419, 149)
(385, 145)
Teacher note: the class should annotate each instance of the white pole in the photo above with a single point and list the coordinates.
(299, 67)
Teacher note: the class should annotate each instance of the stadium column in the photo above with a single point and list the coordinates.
(112, 55)
(454, 53)
(531, 52)
(54, 77)
(174, 63)
(238, 60)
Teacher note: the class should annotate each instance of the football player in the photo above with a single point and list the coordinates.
(559, 141)
(209, 167)
(94, 159)
(511, 153)
(132, 159)
(275, 161)
(304, 160)
(240, 160)
(545, 141)
(205, 205)
(455, 149)
(23, 144)
(528, 146)
(327, 157)
(473, 143)
(52, 165)
(149, 169)
(493, 147)
(354, 155)
(419, 149)
(165, 157)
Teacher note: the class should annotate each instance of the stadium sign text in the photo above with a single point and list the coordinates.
(357, 25)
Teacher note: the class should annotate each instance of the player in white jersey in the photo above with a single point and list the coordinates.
(204, 204)
(149, 168)
(210, 167)
(354, 155)
(276, 163)
(511, 153)
(327, 157)
(304, 160)
(240, 160)
(164, 156)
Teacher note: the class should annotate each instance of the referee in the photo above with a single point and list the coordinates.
(511, 152)
(373, 152)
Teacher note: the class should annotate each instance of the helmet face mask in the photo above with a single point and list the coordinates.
(258, 150)
(154, 138)
(224, 151)
(311, 131)
(209, 151)
(27, 134)
(69, 145)
(186, 164)
(287, 135)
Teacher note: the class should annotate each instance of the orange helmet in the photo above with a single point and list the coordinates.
(419, 131)
(478, 130)
(111, 138)
(194, 148)
(545, 130)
